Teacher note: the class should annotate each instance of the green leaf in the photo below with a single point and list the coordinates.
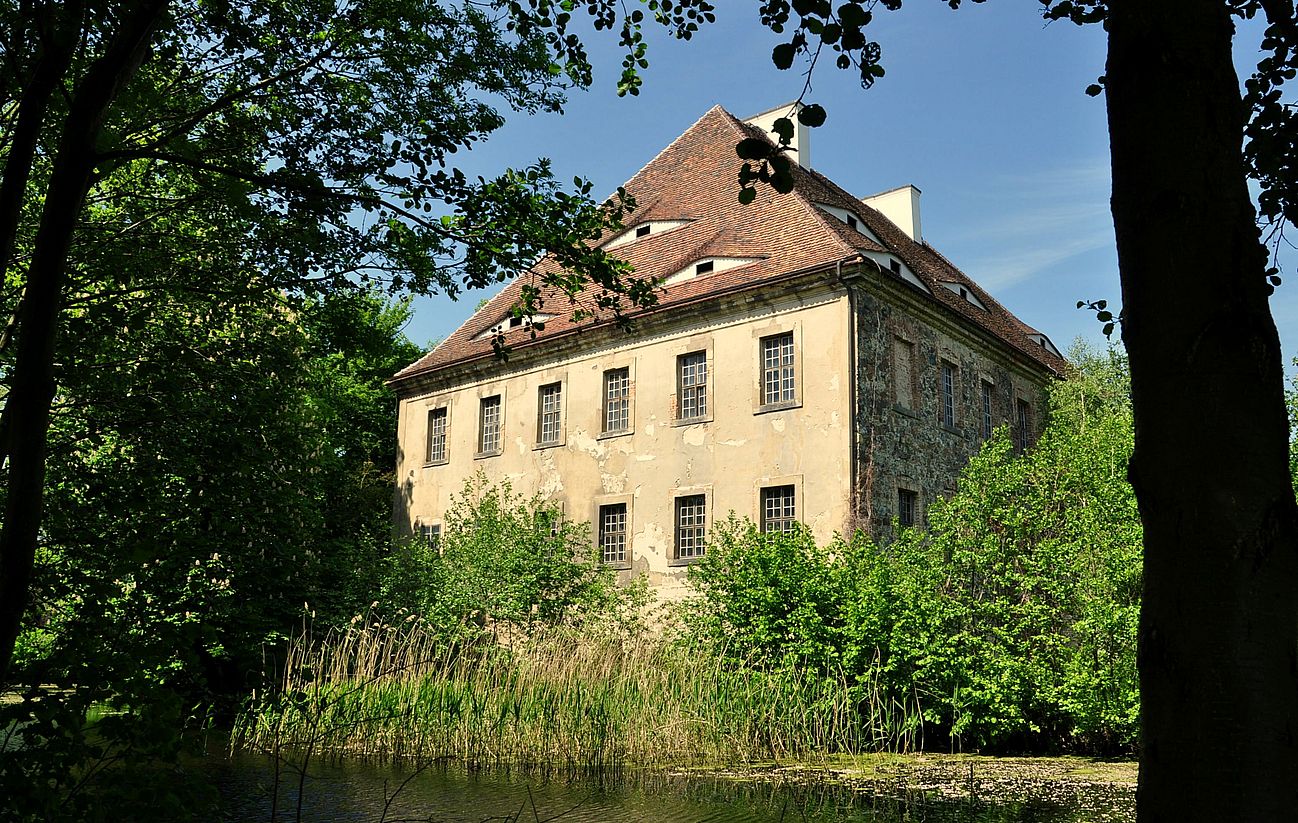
(753, 148)
(782, 55)
(812, 116)
(852, 15)
(783, 127)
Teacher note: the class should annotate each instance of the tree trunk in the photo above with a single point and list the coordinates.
(58, 38)
(1219, 622)
(27, 408)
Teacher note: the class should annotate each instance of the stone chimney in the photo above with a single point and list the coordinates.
(901, 206)
(801, 134)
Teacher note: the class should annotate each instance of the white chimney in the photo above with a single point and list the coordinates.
(801, 143)
(901, 206)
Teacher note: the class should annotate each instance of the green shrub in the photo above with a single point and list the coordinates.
(1010, 622)
(501, 560)
(772, 600)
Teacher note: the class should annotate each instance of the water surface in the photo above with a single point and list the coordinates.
(352, 792)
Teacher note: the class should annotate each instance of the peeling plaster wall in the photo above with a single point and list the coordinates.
(738, 448)
(913, 448)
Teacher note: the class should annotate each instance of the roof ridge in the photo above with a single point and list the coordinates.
(798, 169)
(664, 149)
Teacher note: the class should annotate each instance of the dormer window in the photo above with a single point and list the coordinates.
(631, 235)
(708, 265)
(849, 217)
(1044, 342)
(896, 267)
(966, 295)
(512, 321)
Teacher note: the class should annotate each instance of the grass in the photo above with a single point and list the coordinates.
(558, 699)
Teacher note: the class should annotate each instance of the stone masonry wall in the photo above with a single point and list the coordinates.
(903, 442)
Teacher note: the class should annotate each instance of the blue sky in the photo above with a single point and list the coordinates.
(982, 108)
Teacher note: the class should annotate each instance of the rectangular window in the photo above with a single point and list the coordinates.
(691, 526)
(489, 425)
(779, 509)
(987, 409)
(692, 385)
(612, 533)
(617, 400)
(430, 534)
(907, 503)
(903, 358)
(436, 435)
(1023, 425)
(777, 369)
(548, 416)
(948, 394)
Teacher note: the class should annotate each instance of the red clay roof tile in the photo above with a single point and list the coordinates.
(695, 178)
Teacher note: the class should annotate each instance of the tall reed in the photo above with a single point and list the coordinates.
(559, 699)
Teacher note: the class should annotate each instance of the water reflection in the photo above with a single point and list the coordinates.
(350, 792)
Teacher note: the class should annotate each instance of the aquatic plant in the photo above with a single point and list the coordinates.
(558, 698)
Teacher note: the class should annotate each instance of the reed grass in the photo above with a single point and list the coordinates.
(558, 699)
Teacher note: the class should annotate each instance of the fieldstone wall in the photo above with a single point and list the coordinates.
(902, 440)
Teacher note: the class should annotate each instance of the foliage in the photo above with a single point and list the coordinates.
(560, 698)
(172, 552)
(770, 599)
(1012, 619)
(503, 560)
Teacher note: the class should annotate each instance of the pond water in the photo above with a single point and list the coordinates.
(343, 792)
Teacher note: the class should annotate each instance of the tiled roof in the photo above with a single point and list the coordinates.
(695, 179)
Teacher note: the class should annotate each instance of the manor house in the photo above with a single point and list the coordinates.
(810, 359)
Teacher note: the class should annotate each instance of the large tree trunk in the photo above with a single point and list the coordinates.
(27, 407)
(1219, 621)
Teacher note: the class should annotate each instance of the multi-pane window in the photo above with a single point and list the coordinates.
(612, 533)
(779, 509)
(1023, 425)
(617, 400)
(436, 436)
(987, 409)
(948, 394)
(907, 503)
(692, 385)
(903, 358)
(549, 419)
(431, 534)
(777, 369)
(691, 526)
(489, 425)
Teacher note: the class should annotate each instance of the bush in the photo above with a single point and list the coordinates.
(502, 560)
(1011, 621)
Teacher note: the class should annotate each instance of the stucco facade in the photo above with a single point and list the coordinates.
(809, 359)
(661, 455)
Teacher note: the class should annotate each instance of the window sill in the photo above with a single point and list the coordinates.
(620, 566)
(691, 421)
(435, 463)
(952, 430)
(900, 409)
(613, 434)
(683, 561)
(484, 455)
(774, 407)
(536, 447)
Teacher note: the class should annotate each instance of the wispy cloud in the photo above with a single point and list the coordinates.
(1029, 224)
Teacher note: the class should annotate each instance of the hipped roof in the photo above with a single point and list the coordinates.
(694, 179)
